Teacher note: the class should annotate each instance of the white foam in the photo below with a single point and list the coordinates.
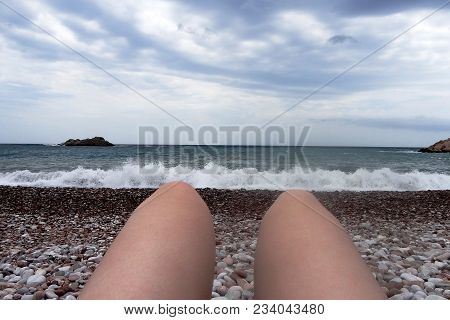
(132, 176)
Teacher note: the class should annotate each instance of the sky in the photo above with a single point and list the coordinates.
(225, 63)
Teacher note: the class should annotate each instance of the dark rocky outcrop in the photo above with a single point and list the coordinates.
(93, 142)
(441, 146)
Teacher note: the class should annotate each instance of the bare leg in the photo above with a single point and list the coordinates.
(166, 250)
(304, 253)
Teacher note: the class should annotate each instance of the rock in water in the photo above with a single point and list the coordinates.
(440, 146)
(93, 142)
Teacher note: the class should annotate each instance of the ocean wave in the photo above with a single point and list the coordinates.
(132, 176)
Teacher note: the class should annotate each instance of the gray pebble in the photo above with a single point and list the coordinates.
(403, 296)
(221, 275)
(419, 295)
(446, 294)
(410, 277)
(35, 280)
(415, 288)
(50, 294)
(434, 297)
(40, 272)
(65, 269)
(27, 273)
(247, 295)
(429, 286)
(23, 290)
(14, 279)
(96, 259)
(216, 285)
(234, 293)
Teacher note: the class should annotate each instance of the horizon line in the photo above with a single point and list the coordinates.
(215, 145)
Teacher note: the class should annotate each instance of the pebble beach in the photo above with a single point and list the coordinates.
(52, 239)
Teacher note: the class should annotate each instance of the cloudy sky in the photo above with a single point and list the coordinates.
(225, 63)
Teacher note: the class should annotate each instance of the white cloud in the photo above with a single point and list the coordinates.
(304, 25)
(246, 72)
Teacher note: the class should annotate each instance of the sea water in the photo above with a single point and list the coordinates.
(228, 167)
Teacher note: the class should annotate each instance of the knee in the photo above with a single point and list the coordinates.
(290, 200)
(298, 194)
(178, 186)
(180, 190)
(176, 189)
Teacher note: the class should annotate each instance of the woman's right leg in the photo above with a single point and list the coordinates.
(304, 253)
(165, 250)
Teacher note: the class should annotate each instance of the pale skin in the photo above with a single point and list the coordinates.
(166, 250)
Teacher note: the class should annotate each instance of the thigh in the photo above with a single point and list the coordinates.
(303, 252)
(165, 251)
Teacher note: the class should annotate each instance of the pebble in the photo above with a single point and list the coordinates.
(382, 253)
(15, 279)
(241, 273)
(228, 260)
(221, 265)
(434, 297)
(365, 225)
(27, 273)
(22, 263)
(443, 257)
(65, 269)
(411, 278)
(222, 290)
(96, 259)
(234, 293)
(50, 294)
(429, 286)
(38, 295)
(446, 294)
(428, 270)
(419, 295)
(74, 276)
(216, 285)
(437, 281)
(40, 272)
(245, 257)
(247, 295)
(403, 296)
(415, 288)
(35, 280)
(23, 290)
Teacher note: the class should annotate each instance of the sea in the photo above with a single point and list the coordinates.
(225, 167)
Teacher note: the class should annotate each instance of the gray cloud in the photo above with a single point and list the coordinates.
(428, 124)
(383, 7)
(340, 38)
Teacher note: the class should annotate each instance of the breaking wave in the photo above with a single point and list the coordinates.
(213, 176)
